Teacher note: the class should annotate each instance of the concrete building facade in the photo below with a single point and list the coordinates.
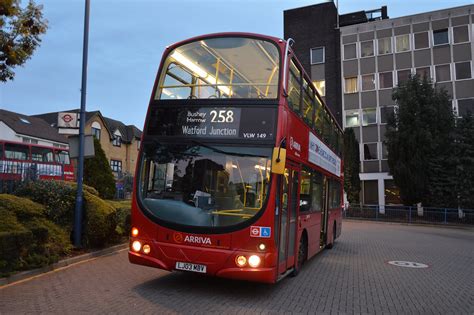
(375, 54)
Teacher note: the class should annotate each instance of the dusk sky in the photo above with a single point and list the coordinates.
(127, 39)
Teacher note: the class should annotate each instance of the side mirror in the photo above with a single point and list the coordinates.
(278, 160)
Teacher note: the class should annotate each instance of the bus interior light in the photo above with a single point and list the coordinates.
(134, 232)
(146, 249)
(254, 261)
(189, 64)
(240, 261)
(136, 246)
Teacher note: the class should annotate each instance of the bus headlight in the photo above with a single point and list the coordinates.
(136, 246)
(261, 247)
(240, 261)
(134, 232)
(254, 261)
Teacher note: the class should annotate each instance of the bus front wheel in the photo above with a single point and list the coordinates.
(302, 255)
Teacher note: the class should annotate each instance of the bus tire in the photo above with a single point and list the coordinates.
(333, 238)
(302, 255)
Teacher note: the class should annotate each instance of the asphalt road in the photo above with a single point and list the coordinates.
(353, 277)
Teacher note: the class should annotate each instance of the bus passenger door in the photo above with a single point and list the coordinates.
(324, 213)
(288, 219)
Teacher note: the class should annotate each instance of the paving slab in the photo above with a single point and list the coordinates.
(354, 277)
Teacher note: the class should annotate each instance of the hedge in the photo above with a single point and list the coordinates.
(27, 238)
(105, 222)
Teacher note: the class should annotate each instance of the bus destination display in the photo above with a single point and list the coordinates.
(213, 122)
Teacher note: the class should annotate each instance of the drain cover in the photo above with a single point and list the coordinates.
(407, 264)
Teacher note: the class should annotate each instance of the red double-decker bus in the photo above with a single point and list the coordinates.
(239, 173)
(21, 161)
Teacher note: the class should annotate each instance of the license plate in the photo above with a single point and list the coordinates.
(190, 267)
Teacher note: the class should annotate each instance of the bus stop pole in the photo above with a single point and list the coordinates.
(78, 213)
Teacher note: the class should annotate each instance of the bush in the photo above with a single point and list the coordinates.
(98, 174)
(122, 214)
(103, 222)
(100, 222)
(27, 238)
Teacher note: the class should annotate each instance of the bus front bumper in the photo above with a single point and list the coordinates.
(264, 274)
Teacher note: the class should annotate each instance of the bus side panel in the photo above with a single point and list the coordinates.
(311, 221)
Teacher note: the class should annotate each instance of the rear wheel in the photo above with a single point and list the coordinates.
(302, 255)
(333, 238)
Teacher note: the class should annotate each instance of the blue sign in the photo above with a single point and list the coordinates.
(265, 231)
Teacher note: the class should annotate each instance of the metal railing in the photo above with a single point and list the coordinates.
(407, 214)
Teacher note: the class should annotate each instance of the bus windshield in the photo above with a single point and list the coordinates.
(200, 185)
(224, 67)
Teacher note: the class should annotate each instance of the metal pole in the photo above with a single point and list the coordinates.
(80, 165)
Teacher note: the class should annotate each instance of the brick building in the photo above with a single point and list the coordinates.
(120, 142)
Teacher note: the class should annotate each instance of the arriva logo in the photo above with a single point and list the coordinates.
(295, 145)
(197, 240)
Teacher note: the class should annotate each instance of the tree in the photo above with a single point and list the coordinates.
(351, 166)
(465, 152)
(419, 141)
(20, 30)
(98, 174)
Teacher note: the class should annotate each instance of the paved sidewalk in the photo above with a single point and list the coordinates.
(351, 278)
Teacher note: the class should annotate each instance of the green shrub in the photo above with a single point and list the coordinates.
(122, 213)
(23, 208)
(98, 174)
(104, 222)
(27, 238)
(100, 222)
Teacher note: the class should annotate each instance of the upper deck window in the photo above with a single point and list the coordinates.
(226, 67)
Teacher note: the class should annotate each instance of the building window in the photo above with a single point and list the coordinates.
(392, 193)
(440, 37)
(384, 151)
(95, 128)
(367, 49)
(29, 140)
(423, 72)
(320, 87)
(443, 73)
(317, 55)
(352, 118)
(371, 192)
(350, 51)
(465, 106)
(138, 144)
(369, 116)
(402, 42)
(385, 45)
(403, 76)
(350, 85)
(117, 141)
(385, 113)
(116, 166)
(461, 34)
(463, 70)
(422, 40)
(370, 151)
(368, 82)
(96, 133)
(385, 80)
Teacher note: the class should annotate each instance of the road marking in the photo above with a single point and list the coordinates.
(407, 264)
